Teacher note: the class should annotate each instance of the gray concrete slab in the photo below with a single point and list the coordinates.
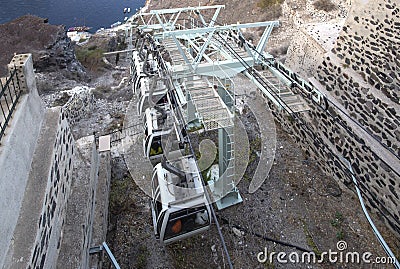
(16, 152)
(100, 218)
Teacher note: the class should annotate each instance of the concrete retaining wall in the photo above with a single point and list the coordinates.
(37, 235)
(305, 54)
(75, 246)
(47, 188)
(100, 224)
(16, 153)
(87, 214)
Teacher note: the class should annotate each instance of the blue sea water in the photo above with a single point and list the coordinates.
(93, 13)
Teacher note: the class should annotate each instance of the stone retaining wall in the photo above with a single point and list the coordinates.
(361, 76)
(362, 71)
(325, 140)
(79, 105)
(52, 218)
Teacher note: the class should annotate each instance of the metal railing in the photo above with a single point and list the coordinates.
(10, 91)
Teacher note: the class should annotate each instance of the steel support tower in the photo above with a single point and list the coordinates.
(203, 59)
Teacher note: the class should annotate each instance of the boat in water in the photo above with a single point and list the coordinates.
(79, 29)
(116, 24)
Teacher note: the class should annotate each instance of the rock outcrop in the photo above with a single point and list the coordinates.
(51, 48)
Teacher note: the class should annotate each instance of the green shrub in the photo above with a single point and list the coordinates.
(264, 4)
(91, 58)
(93, 47)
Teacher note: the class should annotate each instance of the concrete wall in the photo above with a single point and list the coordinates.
(310, 44)
(304, 54)
(24, 65)
(75, 246)
(48, 188)
(100, 223)
(16, 152)
(37, 235)
(360, 75)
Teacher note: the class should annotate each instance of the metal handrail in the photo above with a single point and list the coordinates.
(10, 92)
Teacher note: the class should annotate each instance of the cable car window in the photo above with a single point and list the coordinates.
(162, 100)
(156, 147)
(158, 206)
(146, 145)
(157, 201)
(146, 133)
(186, 221)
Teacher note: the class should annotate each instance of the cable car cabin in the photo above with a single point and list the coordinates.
(158, 123)
(179, 205)
(159, 95)
(141, 69)
(136, 70)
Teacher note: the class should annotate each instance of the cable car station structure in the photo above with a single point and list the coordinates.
(181, 70)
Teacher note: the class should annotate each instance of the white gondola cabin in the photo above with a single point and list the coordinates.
(158, 95)
(136, 70)
(142, 68)
(158, 123)
(179, 206)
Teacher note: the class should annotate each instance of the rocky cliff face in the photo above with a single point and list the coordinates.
(51, 48)
(60, 56)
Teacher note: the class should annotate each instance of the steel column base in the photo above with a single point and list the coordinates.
(231, 198)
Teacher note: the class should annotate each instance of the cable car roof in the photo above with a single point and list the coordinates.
(173, 195)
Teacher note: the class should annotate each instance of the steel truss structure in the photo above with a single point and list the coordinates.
(203, 57)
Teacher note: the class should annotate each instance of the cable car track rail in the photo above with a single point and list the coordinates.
(310, 92)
